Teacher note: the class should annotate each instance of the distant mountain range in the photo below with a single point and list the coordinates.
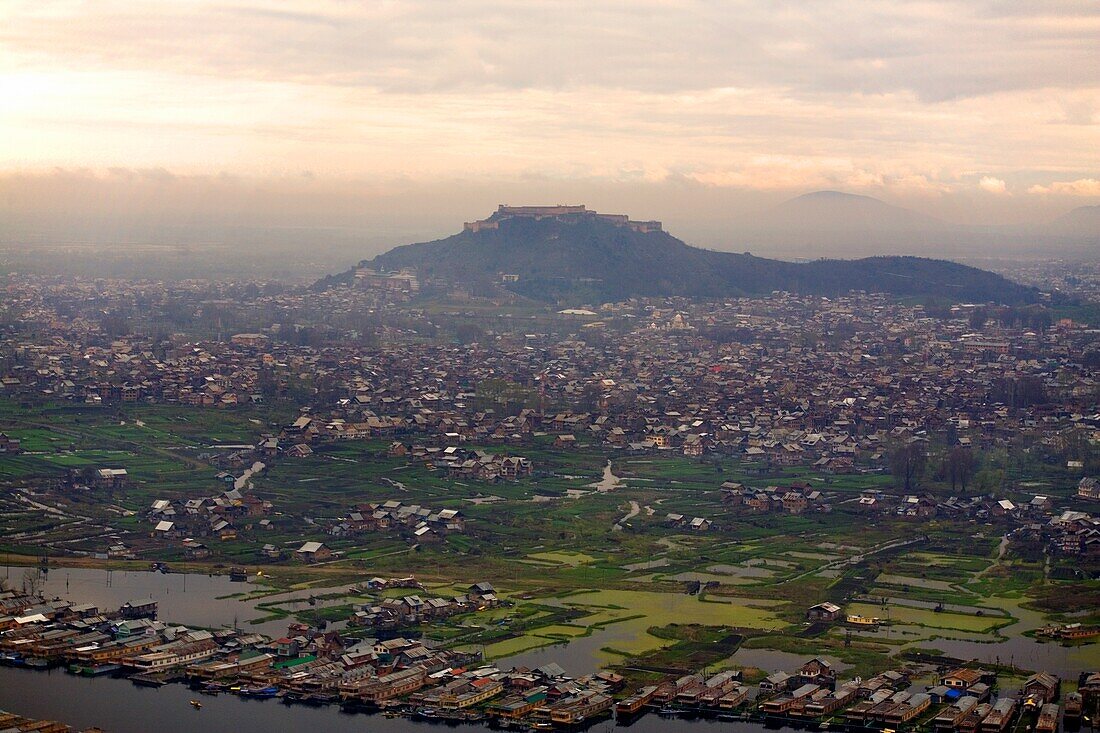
(1084, 222)
(575, 257)
(835, 223)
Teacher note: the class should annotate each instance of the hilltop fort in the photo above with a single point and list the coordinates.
(564, 214)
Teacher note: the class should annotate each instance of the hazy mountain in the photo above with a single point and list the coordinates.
(842, 212)
(592, 259)
(1084, 221)
(831, 223)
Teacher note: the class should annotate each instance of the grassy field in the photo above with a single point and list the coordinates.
(928, 618)
(572, 574)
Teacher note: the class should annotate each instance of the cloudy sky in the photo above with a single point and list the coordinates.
(407, 116)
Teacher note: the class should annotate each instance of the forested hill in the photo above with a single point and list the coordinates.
(593, 259)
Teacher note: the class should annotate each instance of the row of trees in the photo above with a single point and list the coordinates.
(957, 465)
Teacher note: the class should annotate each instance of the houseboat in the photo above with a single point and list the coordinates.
(578, 709)
(1048, 718)
(1074, 707)
(635, 703)
(1000, 717)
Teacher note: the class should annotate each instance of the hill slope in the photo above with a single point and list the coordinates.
(592, 259)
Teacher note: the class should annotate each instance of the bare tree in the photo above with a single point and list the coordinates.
(907, 463)
(960, 466)
(32, 582)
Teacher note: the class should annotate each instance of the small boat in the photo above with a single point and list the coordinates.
(96, 670)
(669, 712)
(196, 704)
(260, 693)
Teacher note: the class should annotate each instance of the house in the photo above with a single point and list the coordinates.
(165, 528)
(962, 678)
(700, 524)
(778, 682)
(111, 477)
(818, 672)
(9, 444)
(144, 608)
(565, 441)
(313, 552)
(823, 612)
(1041, 688)
(195, 550)
(480, 590)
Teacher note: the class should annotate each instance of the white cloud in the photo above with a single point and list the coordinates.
(1081, 187)
(989, 184)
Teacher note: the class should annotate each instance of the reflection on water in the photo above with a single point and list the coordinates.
(771, 660)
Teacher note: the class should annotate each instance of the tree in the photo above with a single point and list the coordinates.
(960, 466)
(978, 317)
(907, 463)
(32, 582)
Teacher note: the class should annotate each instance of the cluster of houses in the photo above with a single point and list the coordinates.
(1072, 533)
(797, 498)
(811, 381)
(682, 521)
(412, 610)
(419, 677)
(220, 517)
(458, 462)
(420, 524)
(307, 665)
(962, 699)
(1088, 488)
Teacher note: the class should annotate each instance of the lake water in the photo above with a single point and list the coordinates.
(189, 599)
(119, 706)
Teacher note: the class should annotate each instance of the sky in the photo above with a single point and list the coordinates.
(407, 117)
